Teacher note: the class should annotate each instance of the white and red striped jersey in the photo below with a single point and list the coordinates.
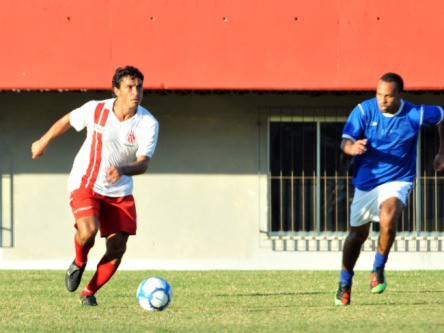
(109, 142)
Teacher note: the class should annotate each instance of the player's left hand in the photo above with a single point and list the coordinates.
(438, 163)
(113, 174)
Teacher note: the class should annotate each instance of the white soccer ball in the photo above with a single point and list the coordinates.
(154, 294)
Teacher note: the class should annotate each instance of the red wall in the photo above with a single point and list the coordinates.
(222, 44)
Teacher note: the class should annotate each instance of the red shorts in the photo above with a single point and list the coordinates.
(114, 214)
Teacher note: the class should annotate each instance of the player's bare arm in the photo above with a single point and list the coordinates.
(438, 163)
(140, 166)
(354, 148)
(61, 126)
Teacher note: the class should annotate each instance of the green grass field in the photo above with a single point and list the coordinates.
(225, 301)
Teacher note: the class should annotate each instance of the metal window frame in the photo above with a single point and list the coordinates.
(416, 240)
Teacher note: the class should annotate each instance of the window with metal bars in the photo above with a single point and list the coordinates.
(311, 186)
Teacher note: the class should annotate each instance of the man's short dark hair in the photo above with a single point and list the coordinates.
(393, 77)
(121, 72)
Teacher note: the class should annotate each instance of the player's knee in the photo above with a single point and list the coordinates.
(116, 245)
(391, 210)
(86, 237)
(87, 229)
(358, 235)
(116, 251)
(388, 227)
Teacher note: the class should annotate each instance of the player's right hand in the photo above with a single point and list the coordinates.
(38, 149)
(438, 163)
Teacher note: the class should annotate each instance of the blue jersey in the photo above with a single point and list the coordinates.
(392, 141)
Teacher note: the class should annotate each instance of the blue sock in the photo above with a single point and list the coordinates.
(380, 261)
(346, 277)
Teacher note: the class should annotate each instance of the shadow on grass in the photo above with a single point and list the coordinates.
(270, 294)
(401, 303)
(416, 291)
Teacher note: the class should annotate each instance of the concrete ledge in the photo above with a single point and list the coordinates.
(266, 261)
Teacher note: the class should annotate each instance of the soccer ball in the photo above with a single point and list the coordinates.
(154, 294)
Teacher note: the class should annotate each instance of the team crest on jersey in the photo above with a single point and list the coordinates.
(130, 139)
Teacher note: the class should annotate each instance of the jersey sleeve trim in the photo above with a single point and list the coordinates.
(422, 115)
(349, 137)
(442, 115)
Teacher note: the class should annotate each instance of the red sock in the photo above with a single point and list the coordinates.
(105, 270)
(81, 253)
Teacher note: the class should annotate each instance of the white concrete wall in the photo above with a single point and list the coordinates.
(202, 205)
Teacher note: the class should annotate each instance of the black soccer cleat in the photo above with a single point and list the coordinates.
(378, 283)
(343, 295)
(88, 300)
(73, 277)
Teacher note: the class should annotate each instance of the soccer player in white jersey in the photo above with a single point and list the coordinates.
(382, 135)
(121, 138)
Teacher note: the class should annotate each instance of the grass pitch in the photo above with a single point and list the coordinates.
(225, 301)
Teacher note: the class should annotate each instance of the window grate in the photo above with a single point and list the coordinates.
(310, 185)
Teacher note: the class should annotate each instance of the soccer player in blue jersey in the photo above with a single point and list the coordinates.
(382, 134)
